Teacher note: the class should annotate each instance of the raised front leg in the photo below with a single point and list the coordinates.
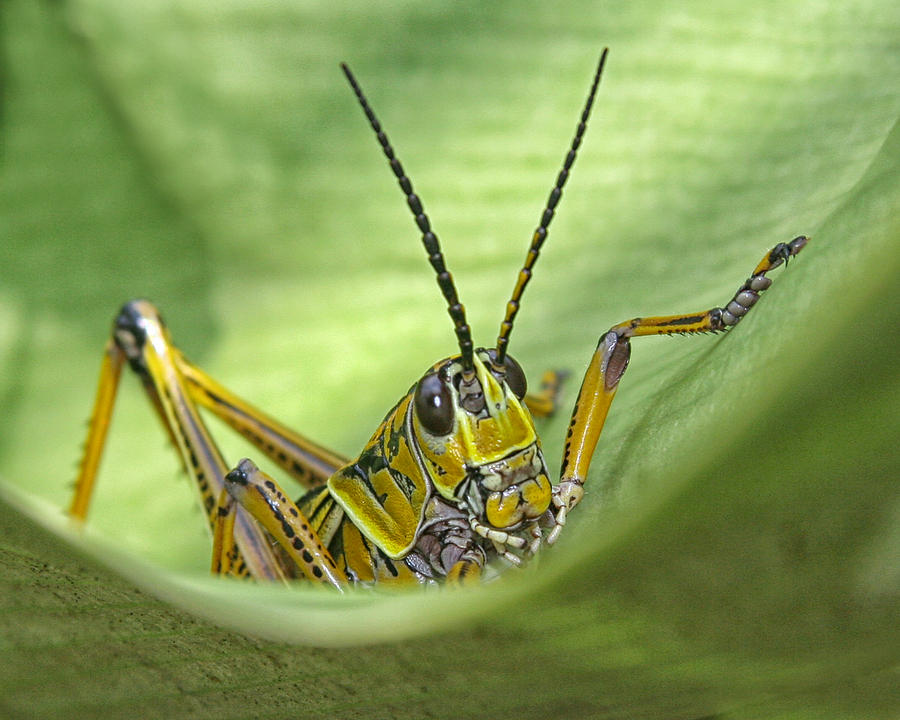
(610, 360)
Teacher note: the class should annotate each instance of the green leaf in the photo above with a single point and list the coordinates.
(736, 554)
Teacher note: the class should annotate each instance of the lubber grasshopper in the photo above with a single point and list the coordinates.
(453, 481)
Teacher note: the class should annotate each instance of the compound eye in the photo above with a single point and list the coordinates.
(434, 405)
(515, 377)
(512, 373)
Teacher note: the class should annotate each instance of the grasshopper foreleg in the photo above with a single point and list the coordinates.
(610, 360)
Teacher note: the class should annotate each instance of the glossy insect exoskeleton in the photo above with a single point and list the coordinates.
(452, 482)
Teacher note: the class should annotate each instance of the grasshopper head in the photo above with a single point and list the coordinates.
(478, 440)
(476, 436)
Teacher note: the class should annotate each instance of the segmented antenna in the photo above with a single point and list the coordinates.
(429, 239)
(540, 234)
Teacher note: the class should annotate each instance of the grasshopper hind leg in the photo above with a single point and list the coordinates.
(140, 338)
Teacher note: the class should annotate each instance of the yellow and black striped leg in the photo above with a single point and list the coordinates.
(110, 374)
(224, 551)
(610, 360)
(268, 504)
(545, 401)
(141, 338)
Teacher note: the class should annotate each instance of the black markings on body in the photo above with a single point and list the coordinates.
(323, 507)
(686, 320)
(393, 443)
(388, 563)
(253, 437)
(276, 513)
(779, 252)
(404, 483)
(239, 477)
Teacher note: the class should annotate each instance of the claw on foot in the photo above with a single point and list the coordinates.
(566, 495)
(497, 536)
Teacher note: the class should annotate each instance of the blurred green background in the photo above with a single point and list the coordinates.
(737, 553)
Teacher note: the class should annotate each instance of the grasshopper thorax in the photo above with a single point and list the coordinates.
(478, 441)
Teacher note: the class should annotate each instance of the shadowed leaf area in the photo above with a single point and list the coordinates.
(736, 554)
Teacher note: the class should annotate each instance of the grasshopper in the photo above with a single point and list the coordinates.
(452, 483)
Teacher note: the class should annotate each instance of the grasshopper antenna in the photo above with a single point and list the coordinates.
(540, 234)
(429, 239)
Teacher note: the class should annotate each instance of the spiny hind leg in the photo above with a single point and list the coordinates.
(141, 339)
(610, 360)
(98, 426)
